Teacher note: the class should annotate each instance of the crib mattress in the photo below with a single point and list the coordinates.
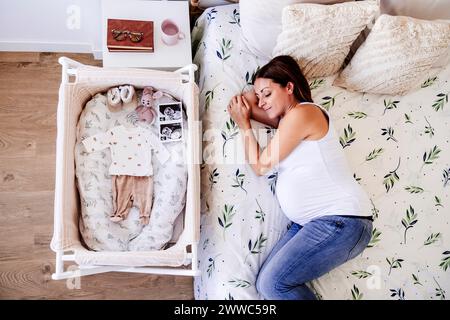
(95, 188)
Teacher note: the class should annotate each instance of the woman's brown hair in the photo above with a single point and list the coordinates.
(284, 69)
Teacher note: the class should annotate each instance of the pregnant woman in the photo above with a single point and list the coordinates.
(316, 190)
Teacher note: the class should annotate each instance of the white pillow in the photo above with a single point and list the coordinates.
(319, 37)
(261, 22)
(396, 55)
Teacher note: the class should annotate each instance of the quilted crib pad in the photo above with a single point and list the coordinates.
(94, 184)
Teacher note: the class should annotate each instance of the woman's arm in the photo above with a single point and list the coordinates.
(256, 112)
(295, 127)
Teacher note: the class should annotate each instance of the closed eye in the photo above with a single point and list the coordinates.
(265, 96)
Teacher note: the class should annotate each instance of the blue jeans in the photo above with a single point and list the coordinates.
(307, 252)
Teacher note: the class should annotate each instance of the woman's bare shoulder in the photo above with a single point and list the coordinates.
(308, 111)
(303, 120)
(312, 120)
(302, 112)
(297, 117)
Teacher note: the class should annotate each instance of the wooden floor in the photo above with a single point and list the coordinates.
(29, 85)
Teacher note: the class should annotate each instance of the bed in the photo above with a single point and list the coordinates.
(398, 148)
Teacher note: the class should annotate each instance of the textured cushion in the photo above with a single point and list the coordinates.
(319, 37)
(261, 23)
(396, 55)
(420, 9)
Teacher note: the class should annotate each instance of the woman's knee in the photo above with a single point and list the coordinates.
(265, 283)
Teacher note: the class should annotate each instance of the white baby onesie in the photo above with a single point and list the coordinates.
(131, 150)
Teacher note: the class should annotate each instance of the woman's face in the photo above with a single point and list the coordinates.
(272, 97)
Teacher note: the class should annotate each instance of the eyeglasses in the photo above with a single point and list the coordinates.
(121, 35)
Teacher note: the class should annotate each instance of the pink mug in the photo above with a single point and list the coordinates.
(170, 32)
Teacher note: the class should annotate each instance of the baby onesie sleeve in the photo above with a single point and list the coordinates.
(97, 142)
(161, 152)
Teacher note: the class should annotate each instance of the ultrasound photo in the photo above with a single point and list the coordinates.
(170, 112)
(171, 132)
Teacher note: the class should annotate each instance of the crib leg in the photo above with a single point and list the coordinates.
(59, 265)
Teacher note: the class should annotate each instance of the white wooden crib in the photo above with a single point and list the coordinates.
(79, 83)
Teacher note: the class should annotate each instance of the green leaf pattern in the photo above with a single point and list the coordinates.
(231, 130)
(414, 189)
(348, 138)
(328, 101)
(375, 238)
(394, 264)
(391, 178)
(236, 18)
(389, 105)
(316, 83)
(374, 154)
(357, 115)
(256, 246)
(439, 103)
(356, 294)
(213, 176)
(239, 181)
(361, 274)
(432, 238)
(224, 52)
(429, 157)
(445, 262)
(260, 214)
(428, 82)
(416, 280)
(225, 220)
(409, 221)
(239, 283)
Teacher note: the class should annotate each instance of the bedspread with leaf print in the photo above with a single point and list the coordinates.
(397, 146)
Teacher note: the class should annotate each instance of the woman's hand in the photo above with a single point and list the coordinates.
(240, 111)
(251, 98)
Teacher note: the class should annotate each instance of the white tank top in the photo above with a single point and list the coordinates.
(314, 180)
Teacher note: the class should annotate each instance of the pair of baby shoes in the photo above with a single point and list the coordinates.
(122, 98)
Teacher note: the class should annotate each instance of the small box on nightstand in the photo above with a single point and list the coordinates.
(172, 37)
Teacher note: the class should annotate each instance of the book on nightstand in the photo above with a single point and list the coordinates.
(129, 35)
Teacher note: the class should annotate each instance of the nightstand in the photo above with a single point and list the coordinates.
(164, 57)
